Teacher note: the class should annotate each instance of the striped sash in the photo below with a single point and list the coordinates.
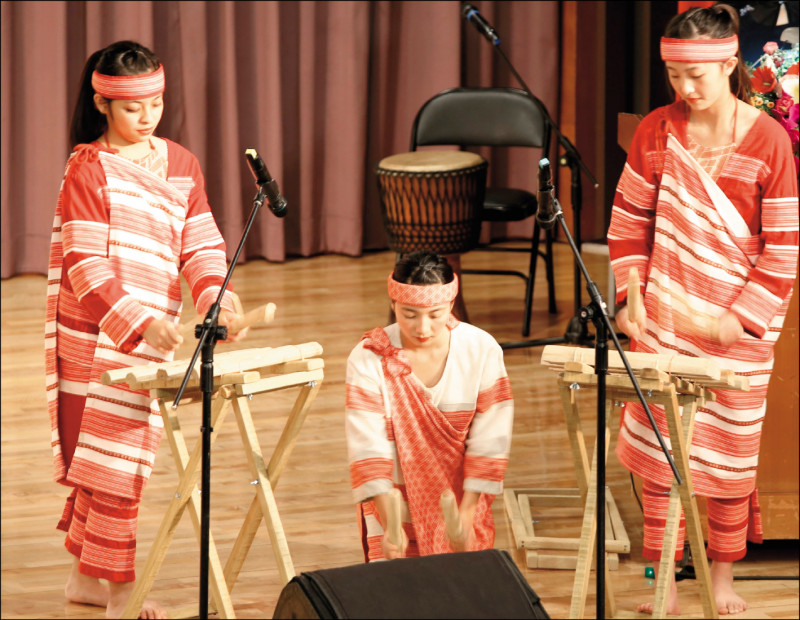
(120, 430)
(702, 255)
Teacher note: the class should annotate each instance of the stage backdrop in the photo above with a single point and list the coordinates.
(323, 90)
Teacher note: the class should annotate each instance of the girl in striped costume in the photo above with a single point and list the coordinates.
(706, 209)
(429, 408)
(132, 215)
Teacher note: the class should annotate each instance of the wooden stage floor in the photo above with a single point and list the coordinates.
(332, 300)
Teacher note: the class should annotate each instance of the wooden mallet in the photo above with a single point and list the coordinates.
(394, 518)
(262, 314)
(704, 326)
(634, 296)
(450, 513)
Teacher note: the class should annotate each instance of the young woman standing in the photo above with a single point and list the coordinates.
(132, 216)
(706, 210)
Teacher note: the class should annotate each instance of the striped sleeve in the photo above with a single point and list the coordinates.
(203, 258)
(633, 214)
(85, 235)
(771, 279)
(489, 441)
(370, 450)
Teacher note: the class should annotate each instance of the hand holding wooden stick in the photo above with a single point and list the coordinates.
(395, 519)
(452, 519)
(701, 325)
(262, 314)
(634, 297)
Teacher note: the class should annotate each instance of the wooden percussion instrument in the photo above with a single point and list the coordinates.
(238, 376)
(691, 369)
(431, 200)
(262, 314)
(677, 383)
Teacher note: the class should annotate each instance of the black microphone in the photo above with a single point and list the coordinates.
(471, 14)
(264, 180)
(546, 211)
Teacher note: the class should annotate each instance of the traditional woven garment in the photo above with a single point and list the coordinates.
(731, 522)
(710, 159)
(121, 238)
(423, 441)
(703, 248)
(101, 533)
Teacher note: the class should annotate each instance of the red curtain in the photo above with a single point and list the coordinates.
(323, 90)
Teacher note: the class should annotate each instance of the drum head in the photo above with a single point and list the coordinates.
(430, 161)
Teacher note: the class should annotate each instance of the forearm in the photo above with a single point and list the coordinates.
(383, 505)
(469, 502)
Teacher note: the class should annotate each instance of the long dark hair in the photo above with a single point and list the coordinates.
(719, 21)
(120, 58)
(423, 267)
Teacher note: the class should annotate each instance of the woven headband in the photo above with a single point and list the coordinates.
(140, 86)
(699, 50)
(422, 295)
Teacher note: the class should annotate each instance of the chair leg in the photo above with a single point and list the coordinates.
(526, 325)
(551, 283)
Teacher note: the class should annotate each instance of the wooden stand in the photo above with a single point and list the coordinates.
(518, 503)
(673, 382)
(238, 376)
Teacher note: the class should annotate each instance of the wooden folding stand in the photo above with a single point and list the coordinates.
(673, 382)
(561, 552)
(238, 376)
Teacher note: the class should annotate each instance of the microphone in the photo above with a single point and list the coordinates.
(471, 14)
(546, 211)
(264, 180)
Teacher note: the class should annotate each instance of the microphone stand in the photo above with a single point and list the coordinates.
(208, 333)
(576, 333)
(596, 312)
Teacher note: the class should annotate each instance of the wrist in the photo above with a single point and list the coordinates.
(469, 502)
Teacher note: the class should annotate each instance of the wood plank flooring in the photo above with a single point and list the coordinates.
(332, 300)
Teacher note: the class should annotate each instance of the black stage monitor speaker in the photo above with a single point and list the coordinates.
(478, 584)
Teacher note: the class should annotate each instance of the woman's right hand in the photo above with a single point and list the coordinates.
(385, 507)
(162, 335)
(633, 330)
(392, 551)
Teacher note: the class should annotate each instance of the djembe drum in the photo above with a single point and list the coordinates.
(431, 200)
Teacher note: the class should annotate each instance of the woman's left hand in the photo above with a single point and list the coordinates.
(730, 329)
(467, 540)
(466, 513)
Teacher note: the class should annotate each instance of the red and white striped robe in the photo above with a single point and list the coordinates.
(703, 248)
(121, 237)
(401, 434)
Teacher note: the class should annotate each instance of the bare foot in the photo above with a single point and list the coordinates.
(672, 599)
(84, 589)
(728, 602)
(121, 592)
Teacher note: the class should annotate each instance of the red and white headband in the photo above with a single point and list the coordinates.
(699, 50)
(140, 86)
(422, 295)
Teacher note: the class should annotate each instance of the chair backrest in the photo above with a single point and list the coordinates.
(480, 117)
